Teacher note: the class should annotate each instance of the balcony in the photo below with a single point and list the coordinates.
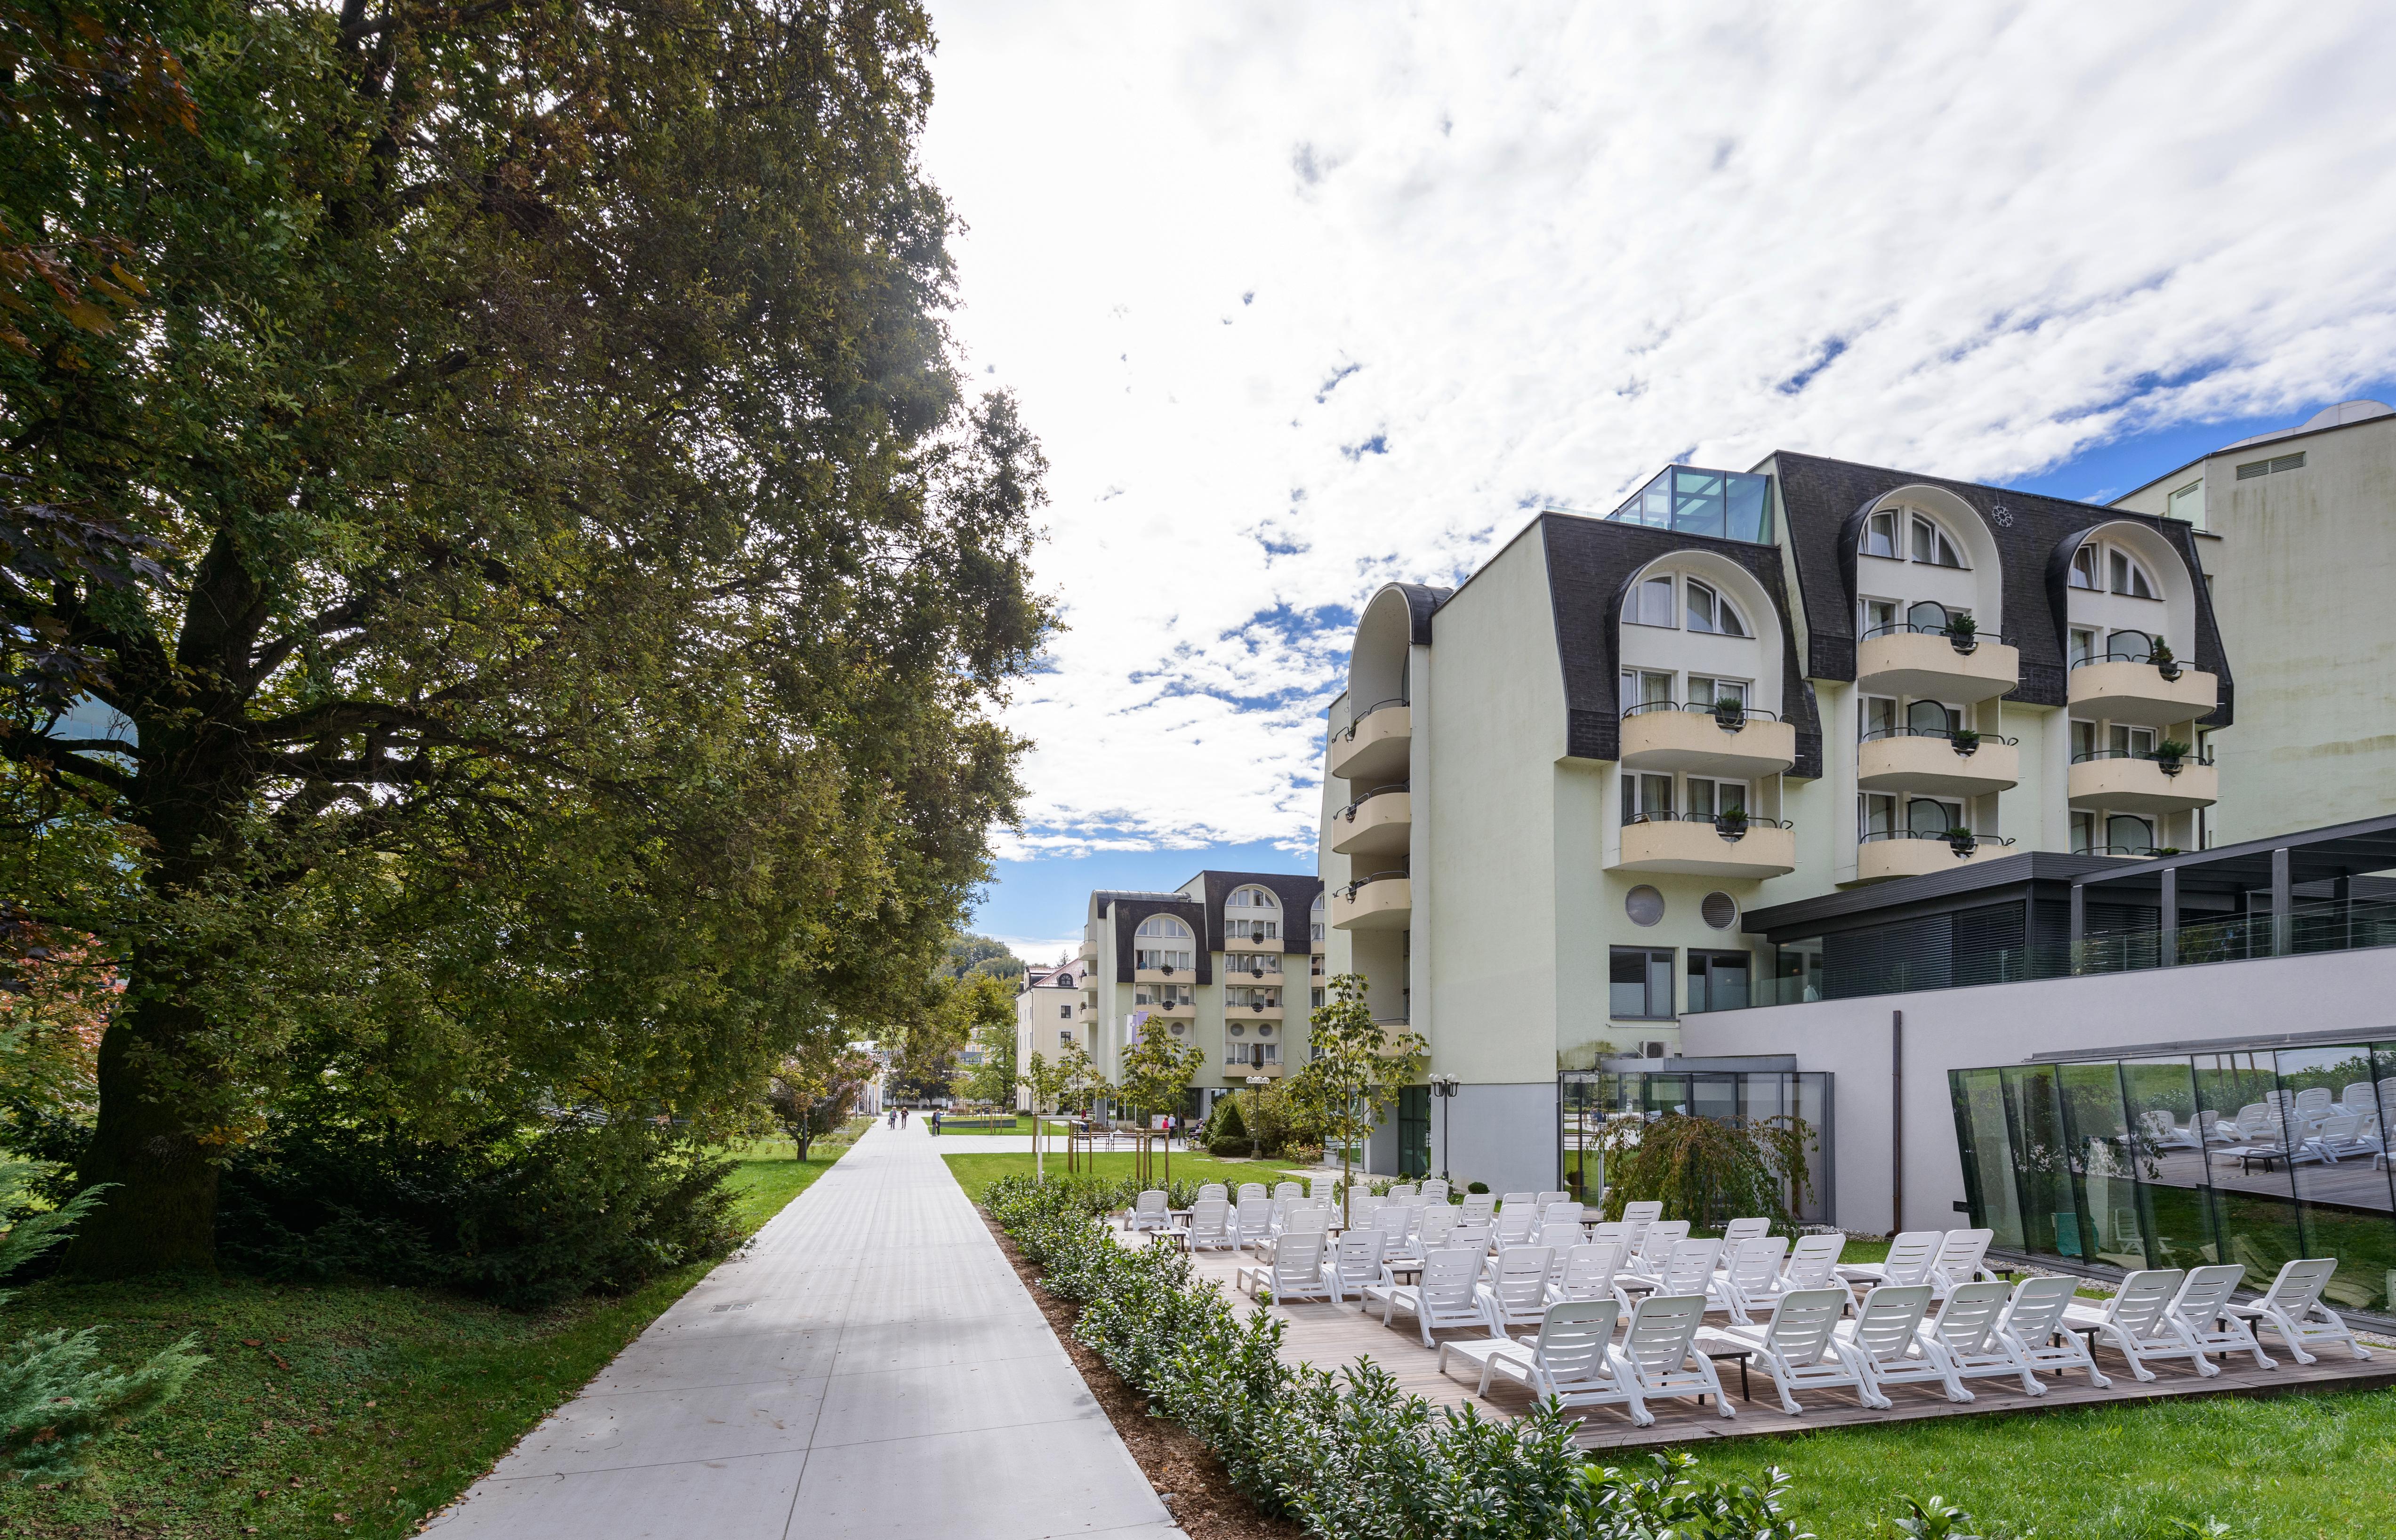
(1252, 944)
(1089, 947)
(1903, 661)
(1269, 1069)
(1915, 759)
(1382, 901)
(1663, 736)
(1881, 856)
(1163, 976)
(1183, 1009)
(2123, 782)
(1697, 844)
(1251, 1012)
(1374, 746)
(1379, 823)
(2139, 693)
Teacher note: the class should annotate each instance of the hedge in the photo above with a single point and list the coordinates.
(1347, 1454)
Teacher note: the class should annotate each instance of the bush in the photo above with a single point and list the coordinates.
(1349, 1455)
(1476, 1187)
(523, 1217)
(1226, 1132)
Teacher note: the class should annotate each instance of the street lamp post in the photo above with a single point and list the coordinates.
(1445, 1087)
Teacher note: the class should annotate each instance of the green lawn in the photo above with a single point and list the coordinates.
(2312, 1465)
(346, 1410)
(975, 1173)
(1019, 1128)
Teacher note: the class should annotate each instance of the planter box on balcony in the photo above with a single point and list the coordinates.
(1931, 764)
(2139, 693)
(1698, 849)
(1694, 741)
(1914, 663)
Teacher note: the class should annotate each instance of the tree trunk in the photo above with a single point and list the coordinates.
(162, 1214)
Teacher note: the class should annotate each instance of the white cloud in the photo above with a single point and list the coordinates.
(1533, 254)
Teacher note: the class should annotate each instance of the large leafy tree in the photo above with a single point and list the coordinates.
(502, 467)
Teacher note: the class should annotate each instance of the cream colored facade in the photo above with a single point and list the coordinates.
(1229, 961)
(1051, 1016)
(2298, 533)
(1529, 837)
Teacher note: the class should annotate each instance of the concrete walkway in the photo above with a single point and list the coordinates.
(870, 1365)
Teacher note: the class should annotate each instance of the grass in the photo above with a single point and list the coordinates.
(338, 1411)
(975, 1173)
(2288, 1466)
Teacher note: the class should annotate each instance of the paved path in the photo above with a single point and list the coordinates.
(870, 1365)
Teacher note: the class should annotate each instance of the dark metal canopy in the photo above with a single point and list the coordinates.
(2315, 856)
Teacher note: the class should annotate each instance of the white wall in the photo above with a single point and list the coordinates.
(1998, 1024)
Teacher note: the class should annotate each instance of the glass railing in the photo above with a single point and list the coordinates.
(1728, 505)
(2323, 926)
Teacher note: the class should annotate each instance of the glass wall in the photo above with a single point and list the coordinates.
(1728, 505)
(2255, 1156)
(1587, 1101)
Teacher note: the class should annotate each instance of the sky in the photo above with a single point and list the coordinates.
(1302, 299)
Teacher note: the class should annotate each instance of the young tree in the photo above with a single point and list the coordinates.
(505, 469)
(1048, 1084)
(811, 1093)
(1156, 1070)
(994, 1080)
(1349, 1087)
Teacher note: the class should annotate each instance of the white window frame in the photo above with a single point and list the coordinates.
(1870, 621)
(1648, 589)
(1707, 689)
(1941, 543)
(1705, 618)
(1881, 527)
(2121, 567)
(2092, 581)
(1249, 896)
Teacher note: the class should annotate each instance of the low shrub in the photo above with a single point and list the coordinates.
(526, 1218)
(1347, 1454)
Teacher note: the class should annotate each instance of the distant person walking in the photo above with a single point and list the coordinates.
(902, 1117)
(936, 1123)
(891, 1117)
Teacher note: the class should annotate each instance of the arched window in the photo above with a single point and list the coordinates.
(1251, 898)
(1931, 544)
(1317, 927)
(1879, 536)
(2129, 577)
(1652, 605)
(1165, 943)
(2084, 567)
(1709, 611)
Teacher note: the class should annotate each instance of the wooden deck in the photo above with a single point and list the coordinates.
(1330, 1336)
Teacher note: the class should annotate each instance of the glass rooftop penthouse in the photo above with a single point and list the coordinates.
(1728, 505)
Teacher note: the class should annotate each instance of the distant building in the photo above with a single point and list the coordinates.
(1050, 1017)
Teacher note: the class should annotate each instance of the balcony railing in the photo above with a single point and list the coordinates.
(2327, 925)
(1943, 836)
(1741, 716)
(1963, 638)
(1348, 812)
(2141, 754)
(1723, 821)
(1961, 735)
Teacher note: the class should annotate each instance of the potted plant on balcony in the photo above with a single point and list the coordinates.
(1730, 714)
(1731, 823)
(1962, 632)
(2168, 755)
(1962, 842)
(1966, 740)
(2165, 664)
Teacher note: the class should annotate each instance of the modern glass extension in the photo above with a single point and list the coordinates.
(1728, 505)
(1587, 1099)
(2251, 1154)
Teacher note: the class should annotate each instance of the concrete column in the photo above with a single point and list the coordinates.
(2284, 905)
(2167, 942)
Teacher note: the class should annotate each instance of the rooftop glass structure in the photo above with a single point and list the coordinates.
(2183, 1156)
(1728, 505)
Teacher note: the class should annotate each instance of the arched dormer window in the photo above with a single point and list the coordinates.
(1164, 941)
(1251, 898)
(1709, 611)
(2128, 577)
(1906, 534)
(1315, 927)
(1932, 544)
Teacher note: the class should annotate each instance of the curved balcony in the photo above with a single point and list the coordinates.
(1379, 823)
(1746, 746)
(1902, 661)
(1916, 759)
(1089, 947)
(2123, 782)
(1374, 746)
(1383, 901)
(1699, 845)
(1163, 976)
(1181, 1009)
(1269, 1069)
(1881, 856)
(2134, 691)
(1252, 1013)
(1252, 944)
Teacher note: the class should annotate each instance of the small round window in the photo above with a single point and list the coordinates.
(1264, 1028)
(1720, 910)
(1239, 1030)
(1644, 905)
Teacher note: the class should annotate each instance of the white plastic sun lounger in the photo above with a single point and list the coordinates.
(1968, 1329)
(1799, 1349)
(2032, 1326)
(1889, 1348)
(1569, 1359)
(1444, 1300)
(2292, 1307)
(1655, 1358)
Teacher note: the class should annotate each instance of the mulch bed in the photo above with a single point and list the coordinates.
(1191, 1482)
